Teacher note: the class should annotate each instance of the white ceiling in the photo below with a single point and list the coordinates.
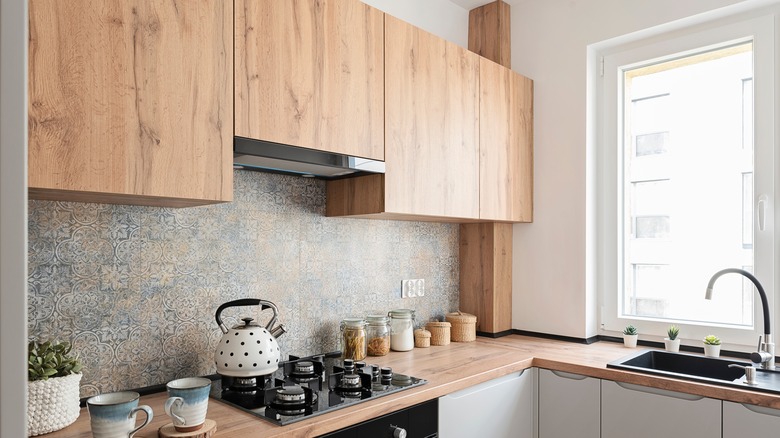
(471, 4)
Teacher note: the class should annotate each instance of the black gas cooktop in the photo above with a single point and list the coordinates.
(304, 387)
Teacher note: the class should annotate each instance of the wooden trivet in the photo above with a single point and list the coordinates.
(208, 430)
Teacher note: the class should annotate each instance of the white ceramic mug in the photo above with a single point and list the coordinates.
(188, 400)
(112, 415)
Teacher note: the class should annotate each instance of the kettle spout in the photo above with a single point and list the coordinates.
(279, 330)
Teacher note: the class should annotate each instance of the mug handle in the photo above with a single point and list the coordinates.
(149, 416)
(178, 401)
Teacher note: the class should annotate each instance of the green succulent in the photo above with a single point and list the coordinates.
(673, 332)
(50, 359)
(630, 330)
(712, 340)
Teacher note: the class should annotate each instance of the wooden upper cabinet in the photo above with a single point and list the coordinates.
(309, 73)
(130, 101)
(431, 124)
(506, 144)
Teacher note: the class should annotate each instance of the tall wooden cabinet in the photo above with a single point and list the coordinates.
(310, 74)
(130, 101)
(506, 144)
(431, 133)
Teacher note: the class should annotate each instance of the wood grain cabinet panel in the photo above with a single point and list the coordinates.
(130, 101)
(309, 73)
(431, 124)
(506, 144)
(431, 134)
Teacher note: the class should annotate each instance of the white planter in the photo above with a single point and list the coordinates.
(630, 340)
(673, 346)
(711, 350)
(52, 404)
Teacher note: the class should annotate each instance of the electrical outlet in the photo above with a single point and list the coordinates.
(412, 288)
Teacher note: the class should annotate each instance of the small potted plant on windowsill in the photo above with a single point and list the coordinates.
(672, 343)
(712, 346)
(630, 336)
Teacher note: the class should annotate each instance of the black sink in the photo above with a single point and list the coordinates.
(697, 368)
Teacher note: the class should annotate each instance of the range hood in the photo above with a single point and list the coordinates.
(279, 158)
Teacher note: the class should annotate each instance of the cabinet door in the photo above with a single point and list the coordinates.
(500, 408)
(506, 144)
(568, 405)
(309, 73)
(431, 124)
(644, 412)
(130, 101)
(740, 420)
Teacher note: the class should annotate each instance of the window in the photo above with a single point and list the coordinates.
(681, 175)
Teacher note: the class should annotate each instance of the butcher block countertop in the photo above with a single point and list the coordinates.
(447, 368)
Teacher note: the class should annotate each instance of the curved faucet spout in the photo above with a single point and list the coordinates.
(759, 288)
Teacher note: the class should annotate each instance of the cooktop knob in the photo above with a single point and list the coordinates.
(398, 432)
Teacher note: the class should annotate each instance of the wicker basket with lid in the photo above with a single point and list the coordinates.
(464, 326)
(440, 332)
(422, 338)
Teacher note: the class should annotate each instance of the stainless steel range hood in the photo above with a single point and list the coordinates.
(279, 158)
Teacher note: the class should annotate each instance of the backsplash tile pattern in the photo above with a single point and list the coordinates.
(136, 288)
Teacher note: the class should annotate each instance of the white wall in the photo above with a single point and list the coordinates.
(554, 288)
(13, 217)
(439, 17)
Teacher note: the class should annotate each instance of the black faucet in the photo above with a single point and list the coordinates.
(766, 348)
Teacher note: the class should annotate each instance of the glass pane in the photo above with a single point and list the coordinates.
(687, 207)
(651, 144)
(652, 227)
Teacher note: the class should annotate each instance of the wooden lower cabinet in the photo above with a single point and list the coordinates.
(568, 405)
(635, 411)
(500, 408)
(741, 420)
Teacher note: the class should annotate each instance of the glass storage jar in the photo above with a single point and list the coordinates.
(353, 338)
(402, 326)
(378, 334)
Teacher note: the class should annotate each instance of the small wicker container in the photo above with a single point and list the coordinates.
(422, 338)
(464, 326)
(440, 332)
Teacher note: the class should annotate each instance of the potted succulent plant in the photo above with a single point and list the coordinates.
(712, 346)
(672, 343)
(630, 336)
(53, 387)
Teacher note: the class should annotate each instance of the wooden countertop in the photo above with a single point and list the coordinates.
(447, 369)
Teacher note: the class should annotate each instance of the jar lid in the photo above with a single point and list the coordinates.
(422, 333)
(378, 319)
(461, 318)
(353, 322)
(401, 313)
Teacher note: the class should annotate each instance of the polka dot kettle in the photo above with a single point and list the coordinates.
(248, 349)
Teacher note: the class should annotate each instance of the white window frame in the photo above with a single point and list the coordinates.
(609, 110)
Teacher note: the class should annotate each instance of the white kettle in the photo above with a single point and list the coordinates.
(248, 350)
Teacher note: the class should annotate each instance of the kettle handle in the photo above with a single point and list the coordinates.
(241, 303)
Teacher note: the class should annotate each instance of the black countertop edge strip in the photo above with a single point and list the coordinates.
(586, 341)
(146, 390)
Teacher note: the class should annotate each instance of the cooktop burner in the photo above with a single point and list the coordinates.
(303, 387)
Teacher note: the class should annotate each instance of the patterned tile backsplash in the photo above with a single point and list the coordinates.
(135, 288)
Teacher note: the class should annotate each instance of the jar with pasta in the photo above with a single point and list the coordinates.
(378, 334)
(353, 338)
